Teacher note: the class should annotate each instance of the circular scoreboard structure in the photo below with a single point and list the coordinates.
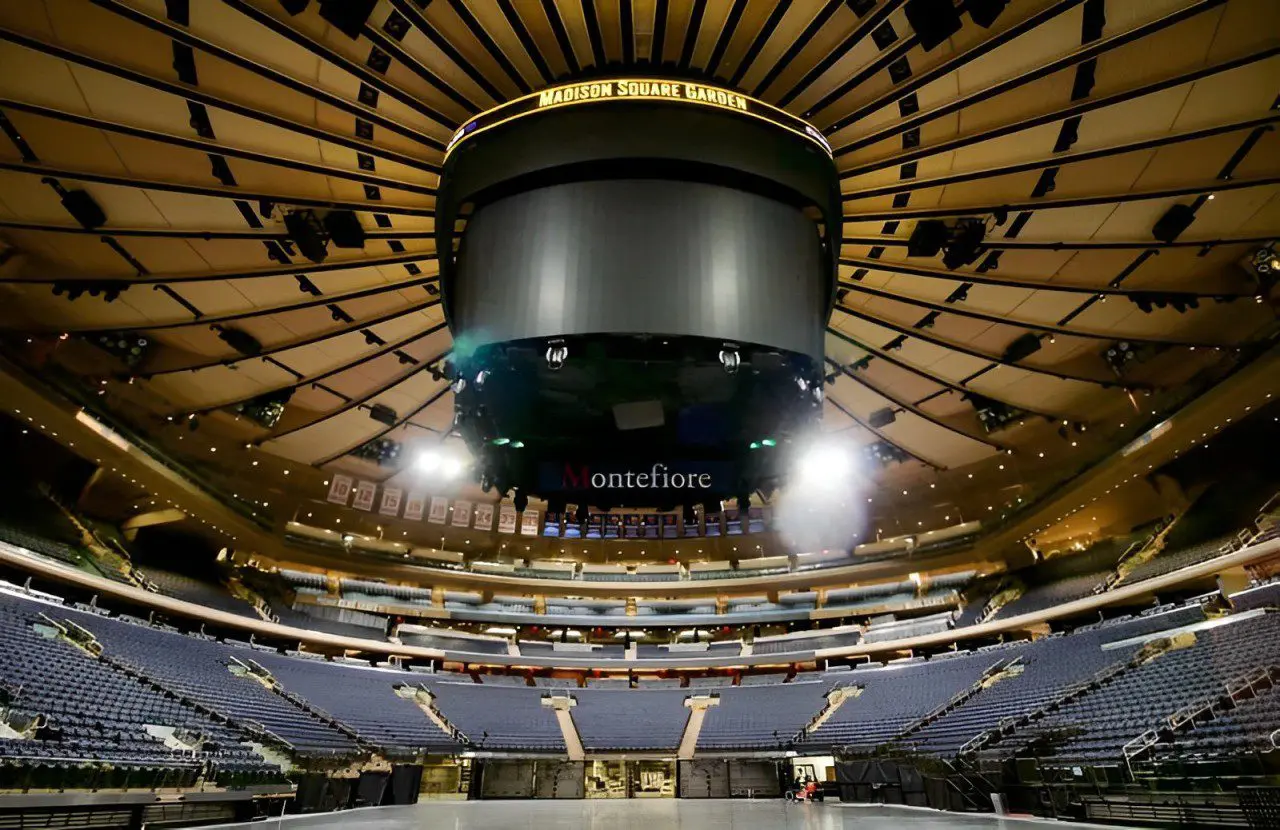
(636, 272)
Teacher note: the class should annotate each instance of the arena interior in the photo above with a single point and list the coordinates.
(639, 413)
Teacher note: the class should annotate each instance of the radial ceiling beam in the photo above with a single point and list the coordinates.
(200, 97)
(658, 39)
(731, 21)
(214, 192)
(189, 233)
(879, 434)
(561, 35)
(909, 407)
(481, 35)
(526, 40)
(626, 22)
(928, 76)
(1215, 186)
(1074, 245)
(961, 348)
(399, 422)
(180, 34)
(257, 273)
(696, 14)
(1063, 113)
(591, 17)
(418, 20)
(363, 400)
(762, 37)
(865, 73)
(899, 267)
(364, 73)
(289, 345)
(1006, 320)
(865, 27)
(1058, 160)
(815, 25)
(215, 148)
(1074, 58)
(417, 67)
(327, 299)
(951, 385)
(311, 380)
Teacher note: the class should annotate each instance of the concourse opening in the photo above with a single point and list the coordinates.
(630, 779)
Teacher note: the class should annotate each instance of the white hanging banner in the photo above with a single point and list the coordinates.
(529, 523)
(507, 519)
(439, 510)
(365, 491)
(484, 516)
(414, 504)
(340, 489)
(462, 513)
(391, 498)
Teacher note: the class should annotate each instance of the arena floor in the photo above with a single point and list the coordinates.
(648, 814)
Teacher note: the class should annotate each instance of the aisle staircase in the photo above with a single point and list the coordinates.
(1011, 725)
(994, 673)
(426, 701)
(1235, 691)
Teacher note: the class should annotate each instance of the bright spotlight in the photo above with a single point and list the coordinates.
(429, 461)
(820, 505)
(825, 462)
(451, 466)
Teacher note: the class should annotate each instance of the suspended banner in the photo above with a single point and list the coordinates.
(462, 513)
(529, 523)
(439, 510)
(414, 506)
(484, 516)
(507, 519)
(365, 491)
(670, 525)
(340, 489)
(391, 498)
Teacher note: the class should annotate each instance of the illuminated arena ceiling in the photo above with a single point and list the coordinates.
(1067, 131)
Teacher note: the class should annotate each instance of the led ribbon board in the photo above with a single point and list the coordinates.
(598, 92)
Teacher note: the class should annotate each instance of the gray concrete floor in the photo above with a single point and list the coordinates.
(647, 814)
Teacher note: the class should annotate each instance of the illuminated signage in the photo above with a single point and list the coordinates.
(656, 476)
(592, 92)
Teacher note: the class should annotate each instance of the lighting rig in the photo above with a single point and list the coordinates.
(382, 451)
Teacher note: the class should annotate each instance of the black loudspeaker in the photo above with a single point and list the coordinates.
(308, 234)
(243, 342)
(985, 12)
(965, 244)
(347, 16)
(84, 209)
(1175, 220)
(927, 238)
(383, 414)
(933, 21)
(881, 418)
(345, 230)
(1025, 346)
